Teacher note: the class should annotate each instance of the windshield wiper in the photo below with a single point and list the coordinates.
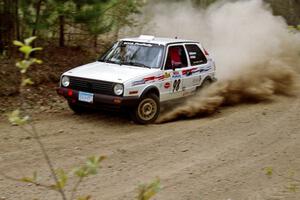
(136, 64)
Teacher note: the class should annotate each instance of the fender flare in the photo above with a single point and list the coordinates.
(150, 89)
(207, 78)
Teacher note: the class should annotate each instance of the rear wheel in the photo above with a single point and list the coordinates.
(206, 83)
(147, 110)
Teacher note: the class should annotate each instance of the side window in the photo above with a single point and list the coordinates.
(195, 54)
(176, 57)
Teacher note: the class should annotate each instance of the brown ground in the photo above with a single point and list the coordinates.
(48, 72)
(216, 158)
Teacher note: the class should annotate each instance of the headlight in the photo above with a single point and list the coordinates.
(118, 89)
(65, 81)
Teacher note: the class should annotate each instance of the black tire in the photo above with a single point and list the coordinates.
(207, 82)
(77, 109)
(147, 110)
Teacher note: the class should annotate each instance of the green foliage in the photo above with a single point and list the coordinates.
(102, 16)
(269, 171)
(90, 168)
(62, 179)
(146, 192)
(32, 179)
(294, 182)
(26, 82)
(292, 187)
(203, 3)
(294, 29)
(85, 198)
(94, 16)
(26, 49)
(15, 118)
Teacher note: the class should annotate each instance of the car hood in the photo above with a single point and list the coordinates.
(109, 72)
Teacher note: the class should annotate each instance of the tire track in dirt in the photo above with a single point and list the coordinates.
(212, 158)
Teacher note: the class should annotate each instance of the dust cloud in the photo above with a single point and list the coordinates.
(257, 56)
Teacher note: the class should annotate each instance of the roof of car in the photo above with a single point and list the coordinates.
(157, 40)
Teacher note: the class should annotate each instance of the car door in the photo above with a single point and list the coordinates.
(176, 61)
(192, 75)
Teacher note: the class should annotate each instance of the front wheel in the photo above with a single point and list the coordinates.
(147, 110)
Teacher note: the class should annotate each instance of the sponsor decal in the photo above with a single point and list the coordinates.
(176, 75)
(176, 85)
(148, 79)
(161, 77)
(189, 72)
(167, 85)
(167, 75)
(138, 43)
(140, 82)
(151, 78)
(205, 69)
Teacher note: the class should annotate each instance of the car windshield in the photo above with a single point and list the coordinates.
(136, 54)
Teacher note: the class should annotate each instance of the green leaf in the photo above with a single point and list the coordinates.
(269, 171)
(28, 41)
(27, 81)
(81, 172)
(30, 180)
(62, 179)
(16, 119)
(26, 180)
(148, 191)
(38, 61)
(37, 49)
(90, 168)
(26, 50)
(18, 43)
(292, 187)
(24, 65)
(93, 164)
(85, 198)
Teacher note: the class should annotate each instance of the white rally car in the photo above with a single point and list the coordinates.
(139, 74)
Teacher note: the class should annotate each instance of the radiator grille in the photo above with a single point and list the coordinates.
(92, 86)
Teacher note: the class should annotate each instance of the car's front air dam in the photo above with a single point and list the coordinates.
(99, 99)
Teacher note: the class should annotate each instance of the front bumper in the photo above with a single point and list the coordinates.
(100, 100)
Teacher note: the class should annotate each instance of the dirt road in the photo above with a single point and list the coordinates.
(216, 158)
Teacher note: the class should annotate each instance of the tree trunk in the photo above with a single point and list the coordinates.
(7, 25)
(61, 31)
(37, 17)
(17, 20)
(95, 41)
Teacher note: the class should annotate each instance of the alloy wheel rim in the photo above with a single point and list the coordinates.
(147, 109)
